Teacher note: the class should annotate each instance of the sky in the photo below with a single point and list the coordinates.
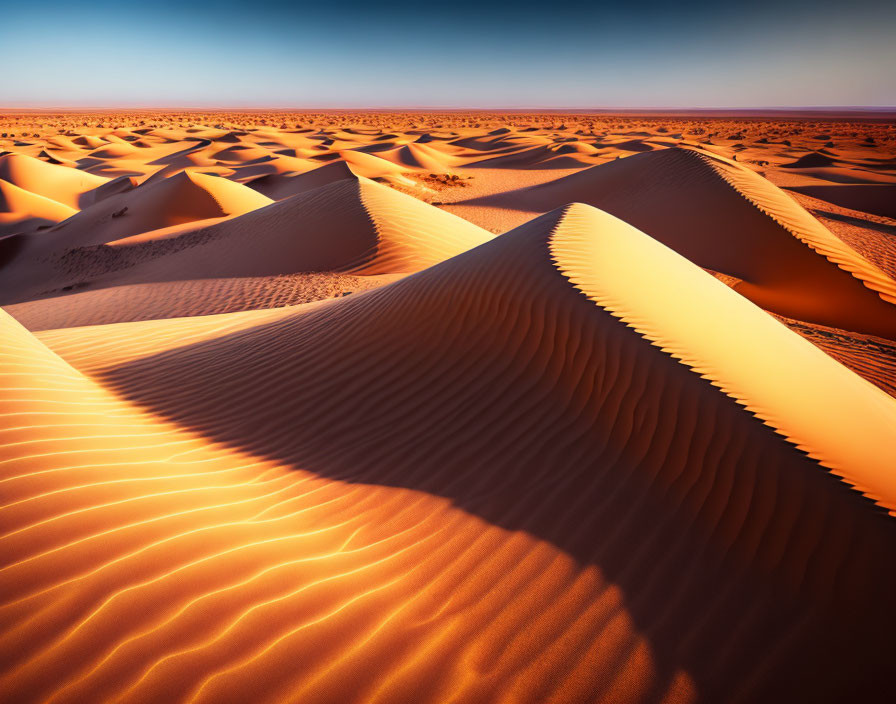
(463, 54)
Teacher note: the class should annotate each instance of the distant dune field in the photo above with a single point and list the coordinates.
(463, 407)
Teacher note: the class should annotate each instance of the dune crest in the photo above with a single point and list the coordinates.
(824, 409)
(60, 183)
(352, 226)
(778, 205)
(550, 434)
(279, 186)
(411, 235)
(183, 198)
(729, 219)
(21, 210)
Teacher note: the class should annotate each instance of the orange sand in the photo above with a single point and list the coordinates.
(608, 416)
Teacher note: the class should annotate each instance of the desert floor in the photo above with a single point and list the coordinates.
(447, 407)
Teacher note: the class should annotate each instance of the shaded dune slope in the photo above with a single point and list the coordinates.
(727, 218)
(879, 199)
(515, 477)
(541, 156)
(175, 299)
(278, 186)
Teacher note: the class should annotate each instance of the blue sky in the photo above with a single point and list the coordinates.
(234, 53)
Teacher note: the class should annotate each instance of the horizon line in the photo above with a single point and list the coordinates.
(855, 111)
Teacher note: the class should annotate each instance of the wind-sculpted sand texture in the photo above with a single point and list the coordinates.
(544, 522)
(725, 217)
(871, 357)
(560, 464)
(873, 237)
(353, 225)
(178, 299)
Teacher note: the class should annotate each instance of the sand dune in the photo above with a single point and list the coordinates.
(112, 187)
(120, 149)
(419, 156)
(185, 197)
(277, 432)
(536, 526)
(279, 164)
(63, 142)
(370, 166)
(814, 159)
(750, 364)
(879, 199)
(352, 226)
(542, 156)
(48, 261)
(54, 157)
(91, 141)
(193, 297)
(60, 183)
(243, 154)
(872, 358)
(279, 186)
(727, 218)
(22, 211)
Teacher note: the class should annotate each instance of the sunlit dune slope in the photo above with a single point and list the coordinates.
(21, 210)
(727, 218)
(184, 197)
(420, 157)
(354, 226)
(750, 363)
(65, 185)
(873, 358)
(520, 475)
(368, 165)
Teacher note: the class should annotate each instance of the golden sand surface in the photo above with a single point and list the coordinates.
(447, 407)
